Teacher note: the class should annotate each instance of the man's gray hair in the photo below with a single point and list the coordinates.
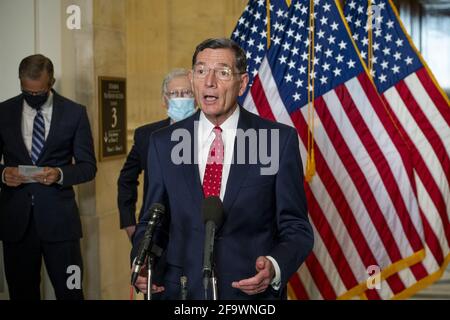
(32, 67)
(224, 43)
(175, 73)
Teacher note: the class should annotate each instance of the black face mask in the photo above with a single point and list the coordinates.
(37, 101)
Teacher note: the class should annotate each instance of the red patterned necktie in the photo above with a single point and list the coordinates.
(213, 171)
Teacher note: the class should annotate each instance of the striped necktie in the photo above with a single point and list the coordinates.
(38, 139)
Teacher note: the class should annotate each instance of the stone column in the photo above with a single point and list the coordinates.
(98, 49)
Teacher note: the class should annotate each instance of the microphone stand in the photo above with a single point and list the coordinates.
(150, 259)
(215, 292)
(183, 288)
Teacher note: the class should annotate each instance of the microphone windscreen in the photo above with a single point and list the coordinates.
(212, 210)
(157, 208)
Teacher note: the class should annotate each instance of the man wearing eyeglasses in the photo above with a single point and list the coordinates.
(178, 99)
(266, 234)
(38, 214)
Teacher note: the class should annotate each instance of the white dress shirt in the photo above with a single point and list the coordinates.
(205, 137)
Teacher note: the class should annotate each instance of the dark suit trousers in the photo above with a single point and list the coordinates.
(23, 266)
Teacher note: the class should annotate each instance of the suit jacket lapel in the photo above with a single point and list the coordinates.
(190, 171)
(17, 131)
(238, 172)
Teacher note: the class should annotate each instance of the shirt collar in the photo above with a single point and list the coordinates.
(206, 127)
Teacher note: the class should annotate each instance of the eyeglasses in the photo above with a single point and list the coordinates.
(222, 73)
(185, 93)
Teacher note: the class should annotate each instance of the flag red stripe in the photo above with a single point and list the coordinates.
(424, 124)
(423, 173)
(400, 128)
(419, 271)
(329, 240)
(359, 179)
(389, 180)
(395, 283)
(420, 165)
(382, 165)
(341, 205)
(432, 241)
(297, 286)
(260, 99)
(320, 277)
(387, 118)
(434, 193)
(434, 94)
(372, 294)
(337, 196)
(356, 174)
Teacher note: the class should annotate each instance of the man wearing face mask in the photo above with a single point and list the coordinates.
(178, 99)
(38, 215)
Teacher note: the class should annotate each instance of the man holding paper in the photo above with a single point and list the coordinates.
(46, 147)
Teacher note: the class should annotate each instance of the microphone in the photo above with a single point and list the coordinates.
(156, 212)
(212, 210)
(183, 288)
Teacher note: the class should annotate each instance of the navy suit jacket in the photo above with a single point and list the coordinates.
(265, 215)
(55, 210)
(128, 179)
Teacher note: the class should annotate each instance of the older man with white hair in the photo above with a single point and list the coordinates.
(178, 99)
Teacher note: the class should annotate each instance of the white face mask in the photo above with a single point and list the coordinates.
(180, 108)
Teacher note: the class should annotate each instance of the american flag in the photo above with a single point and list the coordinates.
(252, 34)
(362, 200)
(420, 110)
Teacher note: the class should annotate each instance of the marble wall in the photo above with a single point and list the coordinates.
(162, 35)
(78, 83)
(98, 49)
(109, 26)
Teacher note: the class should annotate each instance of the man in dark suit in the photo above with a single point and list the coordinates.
(178, 99)
(40, 219)
(266, 234)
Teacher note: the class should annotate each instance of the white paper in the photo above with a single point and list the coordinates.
(29, 171)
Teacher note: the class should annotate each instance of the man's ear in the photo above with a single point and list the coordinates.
(191, 78)
(244, 83)
(165, 101)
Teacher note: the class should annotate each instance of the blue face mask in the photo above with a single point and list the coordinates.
(180, 108)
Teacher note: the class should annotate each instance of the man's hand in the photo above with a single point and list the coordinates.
(265, 272)
(12, 177)
(48, 176)
(130, 231)
(141, 283)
